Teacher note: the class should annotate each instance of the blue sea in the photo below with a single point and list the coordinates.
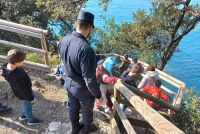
(184, 65)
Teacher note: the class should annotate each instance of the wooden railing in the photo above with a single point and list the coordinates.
(28, 31)
(153, 119)
(132, 97)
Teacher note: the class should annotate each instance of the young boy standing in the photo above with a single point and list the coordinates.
(20, 84)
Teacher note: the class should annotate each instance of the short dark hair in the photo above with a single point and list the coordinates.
(126, 56)
(83, 24)
(135, 60)
(15, 56)
(150, 68)
(158, 83)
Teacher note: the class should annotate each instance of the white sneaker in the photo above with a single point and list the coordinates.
(108, 110)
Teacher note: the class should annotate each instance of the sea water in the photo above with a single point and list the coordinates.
(184, 65)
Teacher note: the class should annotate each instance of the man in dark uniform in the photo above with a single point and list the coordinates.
(80, 67)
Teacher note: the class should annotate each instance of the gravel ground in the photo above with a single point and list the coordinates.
(50, 106)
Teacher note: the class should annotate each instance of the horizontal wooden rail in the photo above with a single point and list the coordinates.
(151, 98)
(168, 90)
(32, 49)
(20, 31)
(22, 27)
(156, 120)
(32, 65)
(123, 117)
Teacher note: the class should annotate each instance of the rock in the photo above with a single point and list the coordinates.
(14, 118)
(54, 126)
(66, 128)
(37, 84)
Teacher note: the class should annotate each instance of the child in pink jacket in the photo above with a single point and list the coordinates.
(106, 86)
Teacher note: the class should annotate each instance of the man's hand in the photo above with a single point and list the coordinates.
(119, 80)
(34, 101)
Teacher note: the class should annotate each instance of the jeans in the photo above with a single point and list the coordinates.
(87, 105)
(27, 109)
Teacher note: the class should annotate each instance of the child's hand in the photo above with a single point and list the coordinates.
(100, 101)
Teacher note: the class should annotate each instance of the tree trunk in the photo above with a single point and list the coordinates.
(168, 54)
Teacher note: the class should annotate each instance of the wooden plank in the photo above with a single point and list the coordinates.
(157, 121)
(23, 27)
(168, 90)
(20, 31)
(21, 46)
(115, 129)
(44, 46)
(125, 122)
(139, 123)
(31, 65)
(170, 81)
(179, 96)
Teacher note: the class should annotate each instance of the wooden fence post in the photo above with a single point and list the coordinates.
(44, 46)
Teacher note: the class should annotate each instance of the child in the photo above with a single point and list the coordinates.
(125, 64)
(149, 78)
(59, 73)
(106, 86)
(157, 92)
(131, 77)
(20, 84)
(109, 63)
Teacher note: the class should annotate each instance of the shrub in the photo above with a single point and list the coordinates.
(54, 61)
(188, 119)
(33, 57)
(4, 49)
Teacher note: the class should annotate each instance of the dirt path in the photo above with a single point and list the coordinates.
(50, 106)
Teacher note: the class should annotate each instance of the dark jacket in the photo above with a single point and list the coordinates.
(80, 66)
(128, 79)
(20, 82)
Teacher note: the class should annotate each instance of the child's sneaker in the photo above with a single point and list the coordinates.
(35, 121)
(23, 118)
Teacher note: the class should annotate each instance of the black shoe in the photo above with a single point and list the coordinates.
(35, 121)
(76, 127)
(23, 118)
(89, 129)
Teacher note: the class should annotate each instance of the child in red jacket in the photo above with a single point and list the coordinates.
(106, 86)
(157, 92)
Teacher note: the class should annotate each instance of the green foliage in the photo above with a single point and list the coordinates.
(33, 57)
(54, 61)
(188, 119)
(4, 50)
(44, 14)
(151, 37)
